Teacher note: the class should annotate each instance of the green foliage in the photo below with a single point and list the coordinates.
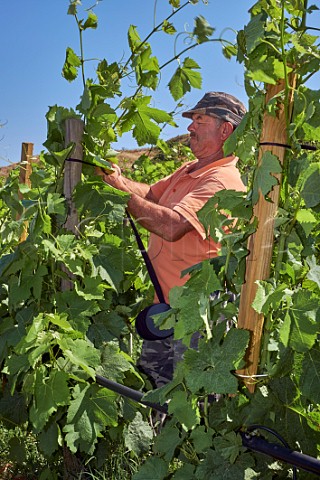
(71, 64)
(106, 116)
(185, 78)
(55, 340)
(204, 437)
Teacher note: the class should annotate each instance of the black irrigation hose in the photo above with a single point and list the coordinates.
(285, 145)
(285, 454)
(129, 393)
(249, 439)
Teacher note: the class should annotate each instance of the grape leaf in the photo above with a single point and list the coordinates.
(91, 410)
(184, 78)
(314, 271)
(209, 369)
(98, 198)
(189, 320)
(71, 65)
(201, 438)
(285, 389)
(167, 442)
(91, 21)
(80, 353)
(310, 376)
(307, 220)
(202, 29)
(168, 27)
(104, 164)
(304, 327)
(138, 435)
(13, 408)
(18, 292)
(154, 468)
(215, 467)
(110, 265)
(228, 445)
(17, 450)
(48, 439)
(310, 191)
(185, 472)
(308, 438)
(146, 68)
(133, 38)
(91, 289)
(56, 203)
(77, 309)
(255, 31)
(114, 362)
(144, 120)
(181, 408)
(107, 326)
(176, 3)
(268, 296)
(284, 330)
(50, 392)
(264, 180)
(212, 219)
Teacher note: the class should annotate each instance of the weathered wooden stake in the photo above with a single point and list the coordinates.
(72, 171)
(261, 242)
(24, 177)
(72, 176)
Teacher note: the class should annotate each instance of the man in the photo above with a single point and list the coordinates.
(168, 209)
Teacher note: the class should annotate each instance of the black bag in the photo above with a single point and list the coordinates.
(145, 325)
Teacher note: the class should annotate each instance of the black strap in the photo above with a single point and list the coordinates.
(284, 145)
(147, 260)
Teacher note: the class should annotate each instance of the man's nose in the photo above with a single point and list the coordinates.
(190, 128)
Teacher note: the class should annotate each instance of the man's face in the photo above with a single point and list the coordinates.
(206, 138)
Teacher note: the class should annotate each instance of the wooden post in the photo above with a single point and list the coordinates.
(72, 171)
(72, 176)
(24, 176)
(260, 244)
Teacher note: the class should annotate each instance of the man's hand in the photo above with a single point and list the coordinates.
(114, 178)
(117, 180)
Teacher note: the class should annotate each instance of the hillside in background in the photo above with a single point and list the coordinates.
(125, 157)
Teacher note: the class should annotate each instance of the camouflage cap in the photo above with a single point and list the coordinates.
(219, 104)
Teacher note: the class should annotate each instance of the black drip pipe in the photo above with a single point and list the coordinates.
(297, 459)
(249, 438)
(129, 393)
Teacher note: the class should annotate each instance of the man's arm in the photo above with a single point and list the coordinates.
(163, 221)
(117, 180)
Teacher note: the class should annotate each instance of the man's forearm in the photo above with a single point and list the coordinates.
(141, 189)
(125, 184)
(160, 220)
(163, 221)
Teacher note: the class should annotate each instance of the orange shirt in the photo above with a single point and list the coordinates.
(187, 192)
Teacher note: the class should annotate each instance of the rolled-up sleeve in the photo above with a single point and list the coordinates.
(191, 203)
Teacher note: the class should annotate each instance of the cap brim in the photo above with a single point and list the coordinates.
(199, 111)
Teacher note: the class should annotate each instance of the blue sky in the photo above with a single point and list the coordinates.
(34, 36)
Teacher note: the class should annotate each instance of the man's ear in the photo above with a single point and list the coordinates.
(226, 130)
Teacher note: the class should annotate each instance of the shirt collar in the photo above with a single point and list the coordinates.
(230, 160)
